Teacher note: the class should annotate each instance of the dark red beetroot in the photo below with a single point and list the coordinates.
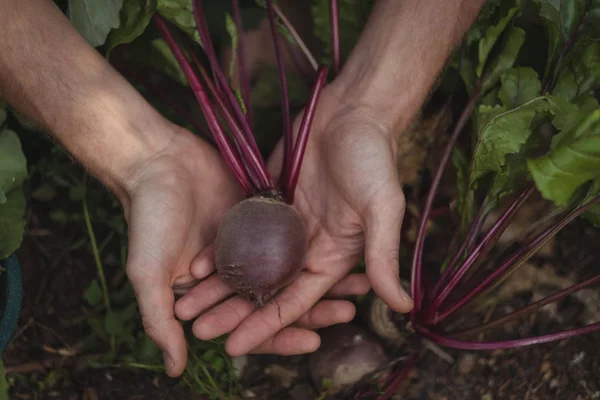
(262, 242)
(347, 354)
(260, 247)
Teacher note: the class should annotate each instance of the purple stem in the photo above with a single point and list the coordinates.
(481, 248)
(167, 99)
(241, 56)
(220, 77)
(303, 133)
(470, 236)
(307, 74)
(287, 121)
(530, 308)
(466, 345)
(225, 147)
(520, 256)
(252, 162)
(401, 376)
(335, 34)
(418, 250)
(311, 59)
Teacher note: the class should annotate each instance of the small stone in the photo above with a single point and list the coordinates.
(466, 363)
(545, 367)
(553, 383)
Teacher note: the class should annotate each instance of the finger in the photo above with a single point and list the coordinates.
(327, 313)
(203, 296)
(351, 285)
(382, 242)
(290, 341)
(156, 306)
(222, 319)
(203, 265)
(289, 305)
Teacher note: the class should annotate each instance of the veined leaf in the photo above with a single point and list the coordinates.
(564, 20)
(504, 134)
(491, 37)
(94, 19)
(135, 16)
(574, 160)
(514, 39)
(519, 86)
(181, 14)
(12, 221)
(582, 75)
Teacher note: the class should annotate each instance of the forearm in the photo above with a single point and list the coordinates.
(52, 75)
(401, 52)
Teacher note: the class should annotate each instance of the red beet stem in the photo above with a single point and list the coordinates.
(241, 58)
(528, 309)
(311, 59)
(492, 234)
(508, 344)
(254, 162)
(287, 120)
(303, 133)
(202, 28)
(335, 34)
(417, 263)
(515, 260)
(225, 147)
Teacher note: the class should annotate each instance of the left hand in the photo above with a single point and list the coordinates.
(352, 203)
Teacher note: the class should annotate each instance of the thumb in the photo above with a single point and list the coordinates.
(383, 223)
(156, 301)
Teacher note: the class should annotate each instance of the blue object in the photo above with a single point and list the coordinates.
(11, 295)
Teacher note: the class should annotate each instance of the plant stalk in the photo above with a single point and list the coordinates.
(335, 34)
(241, 56)
(303, 134)
(417, 264)
(285, 101)
(519, 257)
(225, 147)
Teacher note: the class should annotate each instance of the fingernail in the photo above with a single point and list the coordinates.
(169, 363)
(404, 295)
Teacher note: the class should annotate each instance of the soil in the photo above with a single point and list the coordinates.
(55, 278)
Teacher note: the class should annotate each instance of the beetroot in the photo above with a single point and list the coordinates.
(260, 247)
(262, 242)
(347, 355)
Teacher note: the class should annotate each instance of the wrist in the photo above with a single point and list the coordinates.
(400, 55)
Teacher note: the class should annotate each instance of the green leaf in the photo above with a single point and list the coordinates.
(13, 165)
(94, 19)
(573, 160)
(113, 323)
(519, 86)
(93, 294)
(491, 37)
(233, 34)
(582, 75)
(180, 13)
(12, 222)
(146, 351)
(135, 16)
(514, 39)
(504, 134)
(563, 21)
(461, 163)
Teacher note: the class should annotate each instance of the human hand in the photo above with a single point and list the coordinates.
(350, 198)
(174, 205)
